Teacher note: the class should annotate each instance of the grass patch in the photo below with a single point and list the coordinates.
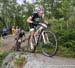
(38, 50)
(1, 42)
(3, 54)
(18, 62)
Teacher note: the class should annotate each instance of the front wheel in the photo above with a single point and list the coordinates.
(49, 44)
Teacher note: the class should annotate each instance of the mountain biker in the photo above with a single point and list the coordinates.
(34, 18)
(19, 39)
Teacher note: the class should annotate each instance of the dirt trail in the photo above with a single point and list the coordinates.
(9, 43)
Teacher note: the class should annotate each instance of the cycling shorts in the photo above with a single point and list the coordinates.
(32, 26)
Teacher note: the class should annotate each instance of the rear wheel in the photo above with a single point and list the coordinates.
(49, 48)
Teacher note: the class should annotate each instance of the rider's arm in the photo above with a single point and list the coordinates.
(44, 20)
(29, 20)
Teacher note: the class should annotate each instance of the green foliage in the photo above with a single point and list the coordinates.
(65, 52)
(66, 42)
(19, 61)
(3, 54)
(66, 35)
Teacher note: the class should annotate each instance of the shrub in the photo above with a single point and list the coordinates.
(3, 54)
(66, 43)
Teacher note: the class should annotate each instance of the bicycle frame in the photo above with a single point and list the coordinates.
(40, 31)
(45, 39)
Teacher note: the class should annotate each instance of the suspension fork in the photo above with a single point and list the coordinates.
(43, 36)
(37, 39)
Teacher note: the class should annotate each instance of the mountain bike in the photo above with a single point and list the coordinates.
(45, 39)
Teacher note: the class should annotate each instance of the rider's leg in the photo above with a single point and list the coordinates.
(31, 34)
(32, 31)
(31, 37)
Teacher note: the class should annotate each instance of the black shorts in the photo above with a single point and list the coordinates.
(4, 34)
(32, 26)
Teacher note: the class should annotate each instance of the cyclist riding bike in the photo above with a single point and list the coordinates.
(33, 19)
(19, 39)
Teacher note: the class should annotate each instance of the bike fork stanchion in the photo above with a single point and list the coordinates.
(43, 37)
(35, 38)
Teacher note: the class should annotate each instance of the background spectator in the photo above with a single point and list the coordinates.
(17, 30)
(13, 31)
(4, 32)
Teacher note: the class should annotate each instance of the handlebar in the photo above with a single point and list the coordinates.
(39, 24)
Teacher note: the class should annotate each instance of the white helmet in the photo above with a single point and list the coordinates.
(38, 8)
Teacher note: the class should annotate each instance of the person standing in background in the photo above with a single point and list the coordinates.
(13, 31)
(4, 32)
(17, 30)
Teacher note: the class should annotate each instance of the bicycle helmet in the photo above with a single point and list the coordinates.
(38, 9)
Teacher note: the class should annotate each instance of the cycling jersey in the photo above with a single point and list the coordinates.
(35, 19)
